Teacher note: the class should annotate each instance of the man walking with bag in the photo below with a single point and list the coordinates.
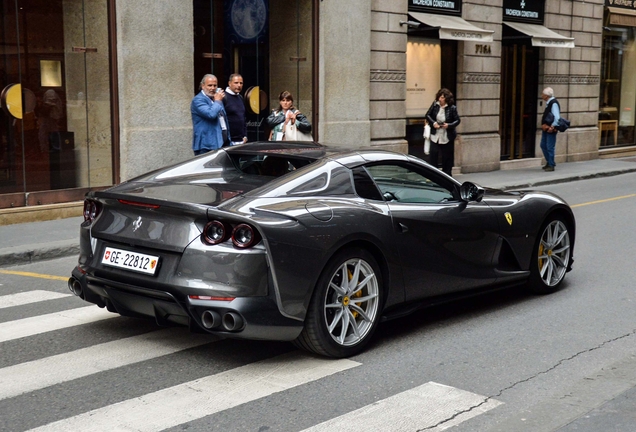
(549, 122)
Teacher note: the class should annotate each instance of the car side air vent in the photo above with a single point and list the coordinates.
(507, 260)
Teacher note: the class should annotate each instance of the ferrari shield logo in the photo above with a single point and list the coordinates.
(508, 218)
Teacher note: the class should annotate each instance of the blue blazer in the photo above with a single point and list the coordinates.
(206, 127)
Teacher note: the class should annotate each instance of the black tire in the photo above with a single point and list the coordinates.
(551, 257)
(353, 305)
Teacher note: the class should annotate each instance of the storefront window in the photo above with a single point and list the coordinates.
(431, 60)
(268, 42)
(431, 64)
(55, 121)
(618, 87)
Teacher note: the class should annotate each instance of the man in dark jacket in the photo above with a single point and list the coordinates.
(235, 109)
(549, 121)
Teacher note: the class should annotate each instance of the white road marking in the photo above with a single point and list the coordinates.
(38, 374)
(199, 398)
(45, 323)
(416, 409)
(24, 298)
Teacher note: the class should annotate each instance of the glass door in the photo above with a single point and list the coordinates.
(518, 100)
(268, 42)
(55, 121)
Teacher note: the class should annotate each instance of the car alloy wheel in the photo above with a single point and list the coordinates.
(351, 302)
(551, 258)
(345, 306)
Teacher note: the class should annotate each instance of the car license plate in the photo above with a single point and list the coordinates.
(130, 260)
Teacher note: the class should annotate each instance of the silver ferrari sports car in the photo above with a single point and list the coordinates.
(306, 243)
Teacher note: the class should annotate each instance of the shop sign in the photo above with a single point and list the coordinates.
(557, 43)
(626, 4)
(529, 11)
(448, 7)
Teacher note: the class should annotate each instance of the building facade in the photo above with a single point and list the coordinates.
(95, 92)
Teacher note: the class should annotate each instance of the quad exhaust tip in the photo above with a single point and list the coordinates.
(231, 321)
(75, 286)
(210, 319)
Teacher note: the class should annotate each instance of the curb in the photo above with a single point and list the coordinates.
(568, 179)
(586, 177)
(31, 253)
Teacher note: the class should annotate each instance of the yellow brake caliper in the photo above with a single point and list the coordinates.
(541, 250)
(357, 294)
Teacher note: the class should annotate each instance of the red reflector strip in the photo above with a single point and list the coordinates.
(139, 204)
(197, 297)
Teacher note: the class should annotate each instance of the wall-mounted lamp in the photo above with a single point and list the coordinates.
(410, 23)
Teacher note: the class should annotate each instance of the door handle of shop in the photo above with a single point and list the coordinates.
(84, 49)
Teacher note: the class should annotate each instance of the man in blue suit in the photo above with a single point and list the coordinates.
(209, 120)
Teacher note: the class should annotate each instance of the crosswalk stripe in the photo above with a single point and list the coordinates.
(42, 373)
(55, 321)
(416, 409)
(199, 398)
(24, 298)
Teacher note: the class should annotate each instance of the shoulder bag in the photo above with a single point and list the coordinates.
(293, 134)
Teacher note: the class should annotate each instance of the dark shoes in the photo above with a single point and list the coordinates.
(548, 168)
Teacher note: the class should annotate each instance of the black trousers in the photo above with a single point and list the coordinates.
(226, 138)
(448, 155)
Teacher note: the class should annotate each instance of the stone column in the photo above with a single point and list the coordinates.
(388, 75)
(574, 75)
(477, 147)
(155, 58)
(344, 47)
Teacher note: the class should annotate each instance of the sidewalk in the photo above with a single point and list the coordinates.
(565, 172)
(34, 241)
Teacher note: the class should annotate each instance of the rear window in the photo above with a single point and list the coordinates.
(270, 165)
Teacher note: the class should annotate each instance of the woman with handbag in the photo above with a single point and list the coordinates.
(443, 118)
(287, 123)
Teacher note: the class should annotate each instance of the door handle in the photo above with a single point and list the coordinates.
(403, 228)
(84, 49)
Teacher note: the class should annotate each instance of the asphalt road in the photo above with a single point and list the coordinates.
(502, 362)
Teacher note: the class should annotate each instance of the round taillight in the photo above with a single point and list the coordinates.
(215, 232)
(91, 210)
(244, 236)
(87, 210)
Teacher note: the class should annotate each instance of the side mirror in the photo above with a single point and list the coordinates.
(471, 192)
